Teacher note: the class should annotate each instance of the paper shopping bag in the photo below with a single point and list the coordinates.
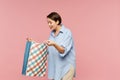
(35, 59)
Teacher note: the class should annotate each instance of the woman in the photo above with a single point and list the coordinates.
(61, 58)
(61, 52)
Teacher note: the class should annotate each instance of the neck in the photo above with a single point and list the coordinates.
(57, 30)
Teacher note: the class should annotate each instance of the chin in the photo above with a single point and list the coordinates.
(52, 28)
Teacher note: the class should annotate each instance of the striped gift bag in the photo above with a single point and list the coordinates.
(35, 59)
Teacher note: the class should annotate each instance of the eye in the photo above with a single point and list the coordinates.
(49, 22)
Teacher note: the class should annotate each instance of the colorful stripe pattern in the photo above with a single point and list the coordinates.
(36, 59)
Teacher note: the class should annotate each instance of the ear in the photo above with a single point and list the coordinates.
(57, 22)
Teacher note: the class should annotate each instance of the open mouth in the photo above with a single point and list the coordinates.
(51, 27)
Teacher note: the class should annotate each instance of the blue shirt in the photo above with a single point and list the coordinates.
(59, 64)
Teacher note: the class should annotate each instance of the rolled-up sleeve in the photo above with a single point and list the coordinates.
(67, 44)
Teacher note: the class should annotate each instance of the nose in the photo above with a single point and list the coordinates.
(49, 24)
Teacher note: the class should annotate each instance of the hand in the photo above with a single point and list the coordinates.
(29, 39)
(49, 42)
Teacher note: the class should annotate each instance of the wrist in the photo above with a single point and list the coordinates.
(54, 44)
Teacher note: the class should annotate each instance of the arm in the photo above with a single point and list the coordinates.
(65, 46)
(52, 43)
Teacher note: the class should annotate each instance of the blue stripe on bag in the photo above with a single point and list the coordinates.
(26, 55)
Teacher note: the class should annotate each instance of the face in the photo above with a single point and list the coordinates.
(52, 24)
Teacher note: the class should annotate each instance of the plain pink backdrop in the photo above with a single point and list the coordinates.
(95, 25)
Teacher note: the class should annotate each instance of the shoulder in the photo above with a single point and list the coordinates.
(67, 31)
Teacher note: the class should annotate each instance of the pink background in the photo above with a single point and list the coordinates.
(95, 25)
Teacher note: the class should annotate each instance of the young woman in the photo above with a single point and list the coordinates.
(61, 51)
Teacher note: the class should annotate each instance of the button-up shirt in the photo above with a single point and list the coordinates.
(59, 63)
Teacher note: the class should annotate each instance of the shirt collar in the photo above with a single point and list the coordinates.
(62, 28)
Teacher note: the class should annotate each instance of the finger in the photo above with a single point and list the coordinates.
(45, 42)
(29, 39)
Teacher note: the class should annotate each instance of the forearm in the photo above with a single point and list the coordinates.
(59, 48)
(52, 43)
